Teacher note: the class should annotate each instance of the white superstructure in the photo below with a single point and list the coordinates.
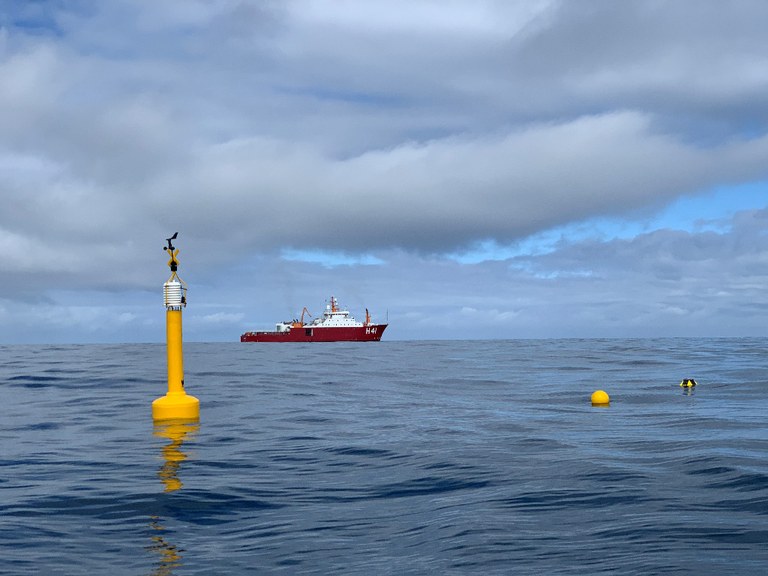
(335, 317)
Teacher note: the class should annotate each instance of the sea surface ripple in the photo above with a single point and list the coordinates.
(426, 457)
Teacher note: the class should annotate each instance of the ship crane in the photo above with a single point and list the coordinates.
(300, 323)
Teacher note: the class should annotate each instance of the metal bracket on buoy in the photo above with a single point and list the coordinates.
(175, 290)
(173, 252)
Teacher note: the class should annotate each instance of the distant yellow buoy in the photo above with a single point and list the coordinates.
(176, 404)
(688, 383)
(600, 398)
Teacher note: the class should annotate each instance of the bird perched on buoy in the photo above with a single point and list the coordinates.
(688, 383)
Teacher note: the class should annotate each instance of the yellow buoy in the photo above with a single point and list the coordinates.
(176, 404)
(600, 398)
(688, 383)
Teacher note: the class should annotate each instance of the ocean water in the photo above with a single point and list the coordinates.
(448, 457)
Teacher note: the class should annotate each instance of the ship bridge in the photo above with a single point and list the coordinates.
(335, 316)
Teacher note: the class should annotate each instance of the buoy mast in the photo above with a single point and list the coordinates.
(176, 404)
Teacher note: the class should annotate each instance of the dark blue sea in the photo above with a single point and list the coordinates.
(447, 457)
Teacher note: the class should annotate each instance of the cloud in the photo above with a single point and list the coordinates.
(439, 196)
(381, 140)
(222, 318)
(664, 282)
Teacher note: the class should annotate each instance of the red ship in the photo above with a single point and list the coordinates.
(336, 325)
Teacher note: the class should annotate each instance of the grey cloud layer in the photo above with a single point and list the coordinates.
(416, 126)
(665, 282)
(521, 121)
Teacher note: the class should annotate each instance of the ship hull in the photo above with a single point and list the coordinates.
(369, 333)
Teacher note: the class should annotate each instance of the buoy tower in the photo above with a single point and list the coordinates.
(176, 404)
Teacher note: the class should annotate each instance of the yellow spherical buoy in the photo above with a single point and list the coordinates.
(600, 398)
(688, 383)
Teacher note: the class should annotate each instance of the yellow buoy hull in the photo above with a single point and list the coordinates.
(176, 406)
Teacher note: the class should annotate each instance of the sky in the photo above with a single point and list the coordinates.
(465, 170)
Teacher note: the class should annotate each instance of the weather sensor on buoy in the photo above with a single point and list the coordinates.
(176, 404)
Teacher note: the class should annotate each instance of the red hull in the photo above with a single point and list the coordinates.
(370, 333)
